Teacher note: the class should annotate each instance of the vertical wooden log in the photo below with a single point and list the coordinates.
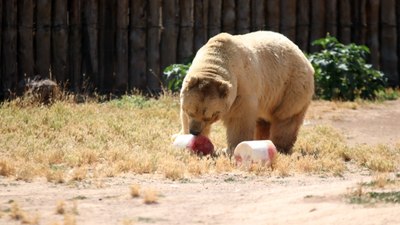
(356, 21)
(200, 23)
(121, 74)
(9, 48)
(105, 80)
(214, 18)
(228, 16)
(389, 41)
(373, 32)
(25, 39)
(272, 15)
(288, 19)
(303, 24)
(185, 43)
(363, 22)
(75, 45)
(257, 15)
(1, 52)
(59, 41)
(90, 44)
(243, 16)
(137, 44)
(153, 46)
(398, 34)
(331, 17)
(344, 21)
(317, 21)
(43, 37)
(169, 34)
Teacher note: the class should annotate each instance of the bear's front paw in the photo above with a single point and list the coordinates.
(173, 137)
(227, 152)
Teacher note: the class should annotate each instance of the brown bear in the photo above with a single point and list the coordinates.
(259, 84)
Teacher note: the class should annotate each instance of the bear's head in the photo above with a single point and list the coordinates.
(204, 100)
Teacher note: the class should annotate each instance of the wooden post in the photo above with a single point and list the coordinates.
(363, 22)
(243, 16)
(121, 74)
(303, 25)
(344, 21)
(75, 45)
(137, 44)
(107, 10)
(272, 15)
(373, 32)
(389, 41)
(43, 37)
(59, 41)
(257, 15)
(214, 18)
(398, 34)
(153, 46)
(356, 23)
(317, 21)
(200, 23)
(288, 19)
(331, 17)
(25, 39)
(185, 43)
(1, 52)
(9, 48)
(90, 44)
(228, 16)
(359, 21)
(168, 34)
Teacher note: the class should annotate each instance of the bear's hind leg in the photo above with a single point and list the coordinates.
(262, 130)
(284, 132)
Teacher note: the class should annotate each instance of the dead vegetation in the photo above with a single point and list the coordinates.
(69, 142)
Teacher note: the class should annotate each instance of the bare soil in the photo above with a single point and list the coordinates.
(227, 198)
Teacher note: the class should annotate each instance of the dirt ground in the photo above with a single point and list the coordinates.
(227, 198)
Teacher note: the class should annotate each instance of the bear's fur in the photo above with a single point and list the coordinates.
(259, 84)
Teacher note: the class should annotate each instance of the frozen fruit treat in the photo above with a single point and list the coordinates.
(201, 145)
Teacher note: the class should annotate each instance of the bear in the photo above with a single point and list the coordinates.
(258, 84)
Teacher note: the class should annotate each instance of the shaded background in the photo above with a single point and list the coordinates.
(113, 46)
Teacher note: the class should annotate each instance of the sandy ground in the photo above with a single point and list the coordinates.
(227, 198)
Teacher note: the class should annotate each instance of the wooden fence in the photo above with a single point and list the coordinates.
(118, 45)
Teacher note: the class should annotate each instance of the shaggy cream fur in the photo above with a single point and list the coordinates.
(259, 84)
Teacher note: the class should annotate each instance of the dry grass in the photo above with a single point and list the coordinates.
(135, 190)
(72, 142)
(60, 208)
(16, 213)
(150, 196)
(382, 189)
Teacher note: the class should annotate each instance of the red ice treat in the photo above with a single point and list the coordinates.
(201, 145)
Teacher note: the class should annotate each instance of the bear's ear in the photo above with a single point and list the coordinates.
(192, 83)
(207, 86)
(223, 89)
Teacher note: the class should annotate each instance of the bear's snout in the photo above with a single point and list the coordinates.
(195, 127)
(194, 132)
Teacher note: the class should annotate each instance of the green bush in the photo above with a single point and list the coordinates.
(341, 71)
(173, 76)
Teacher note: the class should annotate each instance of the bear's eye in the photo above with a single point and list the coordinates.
(191, 115)
(206, 119)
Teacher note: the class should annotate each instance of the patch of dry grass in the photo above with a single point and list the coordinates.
(150, 196)
(71, 142)
(135, 190)
(16, 213)
(382, 189)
